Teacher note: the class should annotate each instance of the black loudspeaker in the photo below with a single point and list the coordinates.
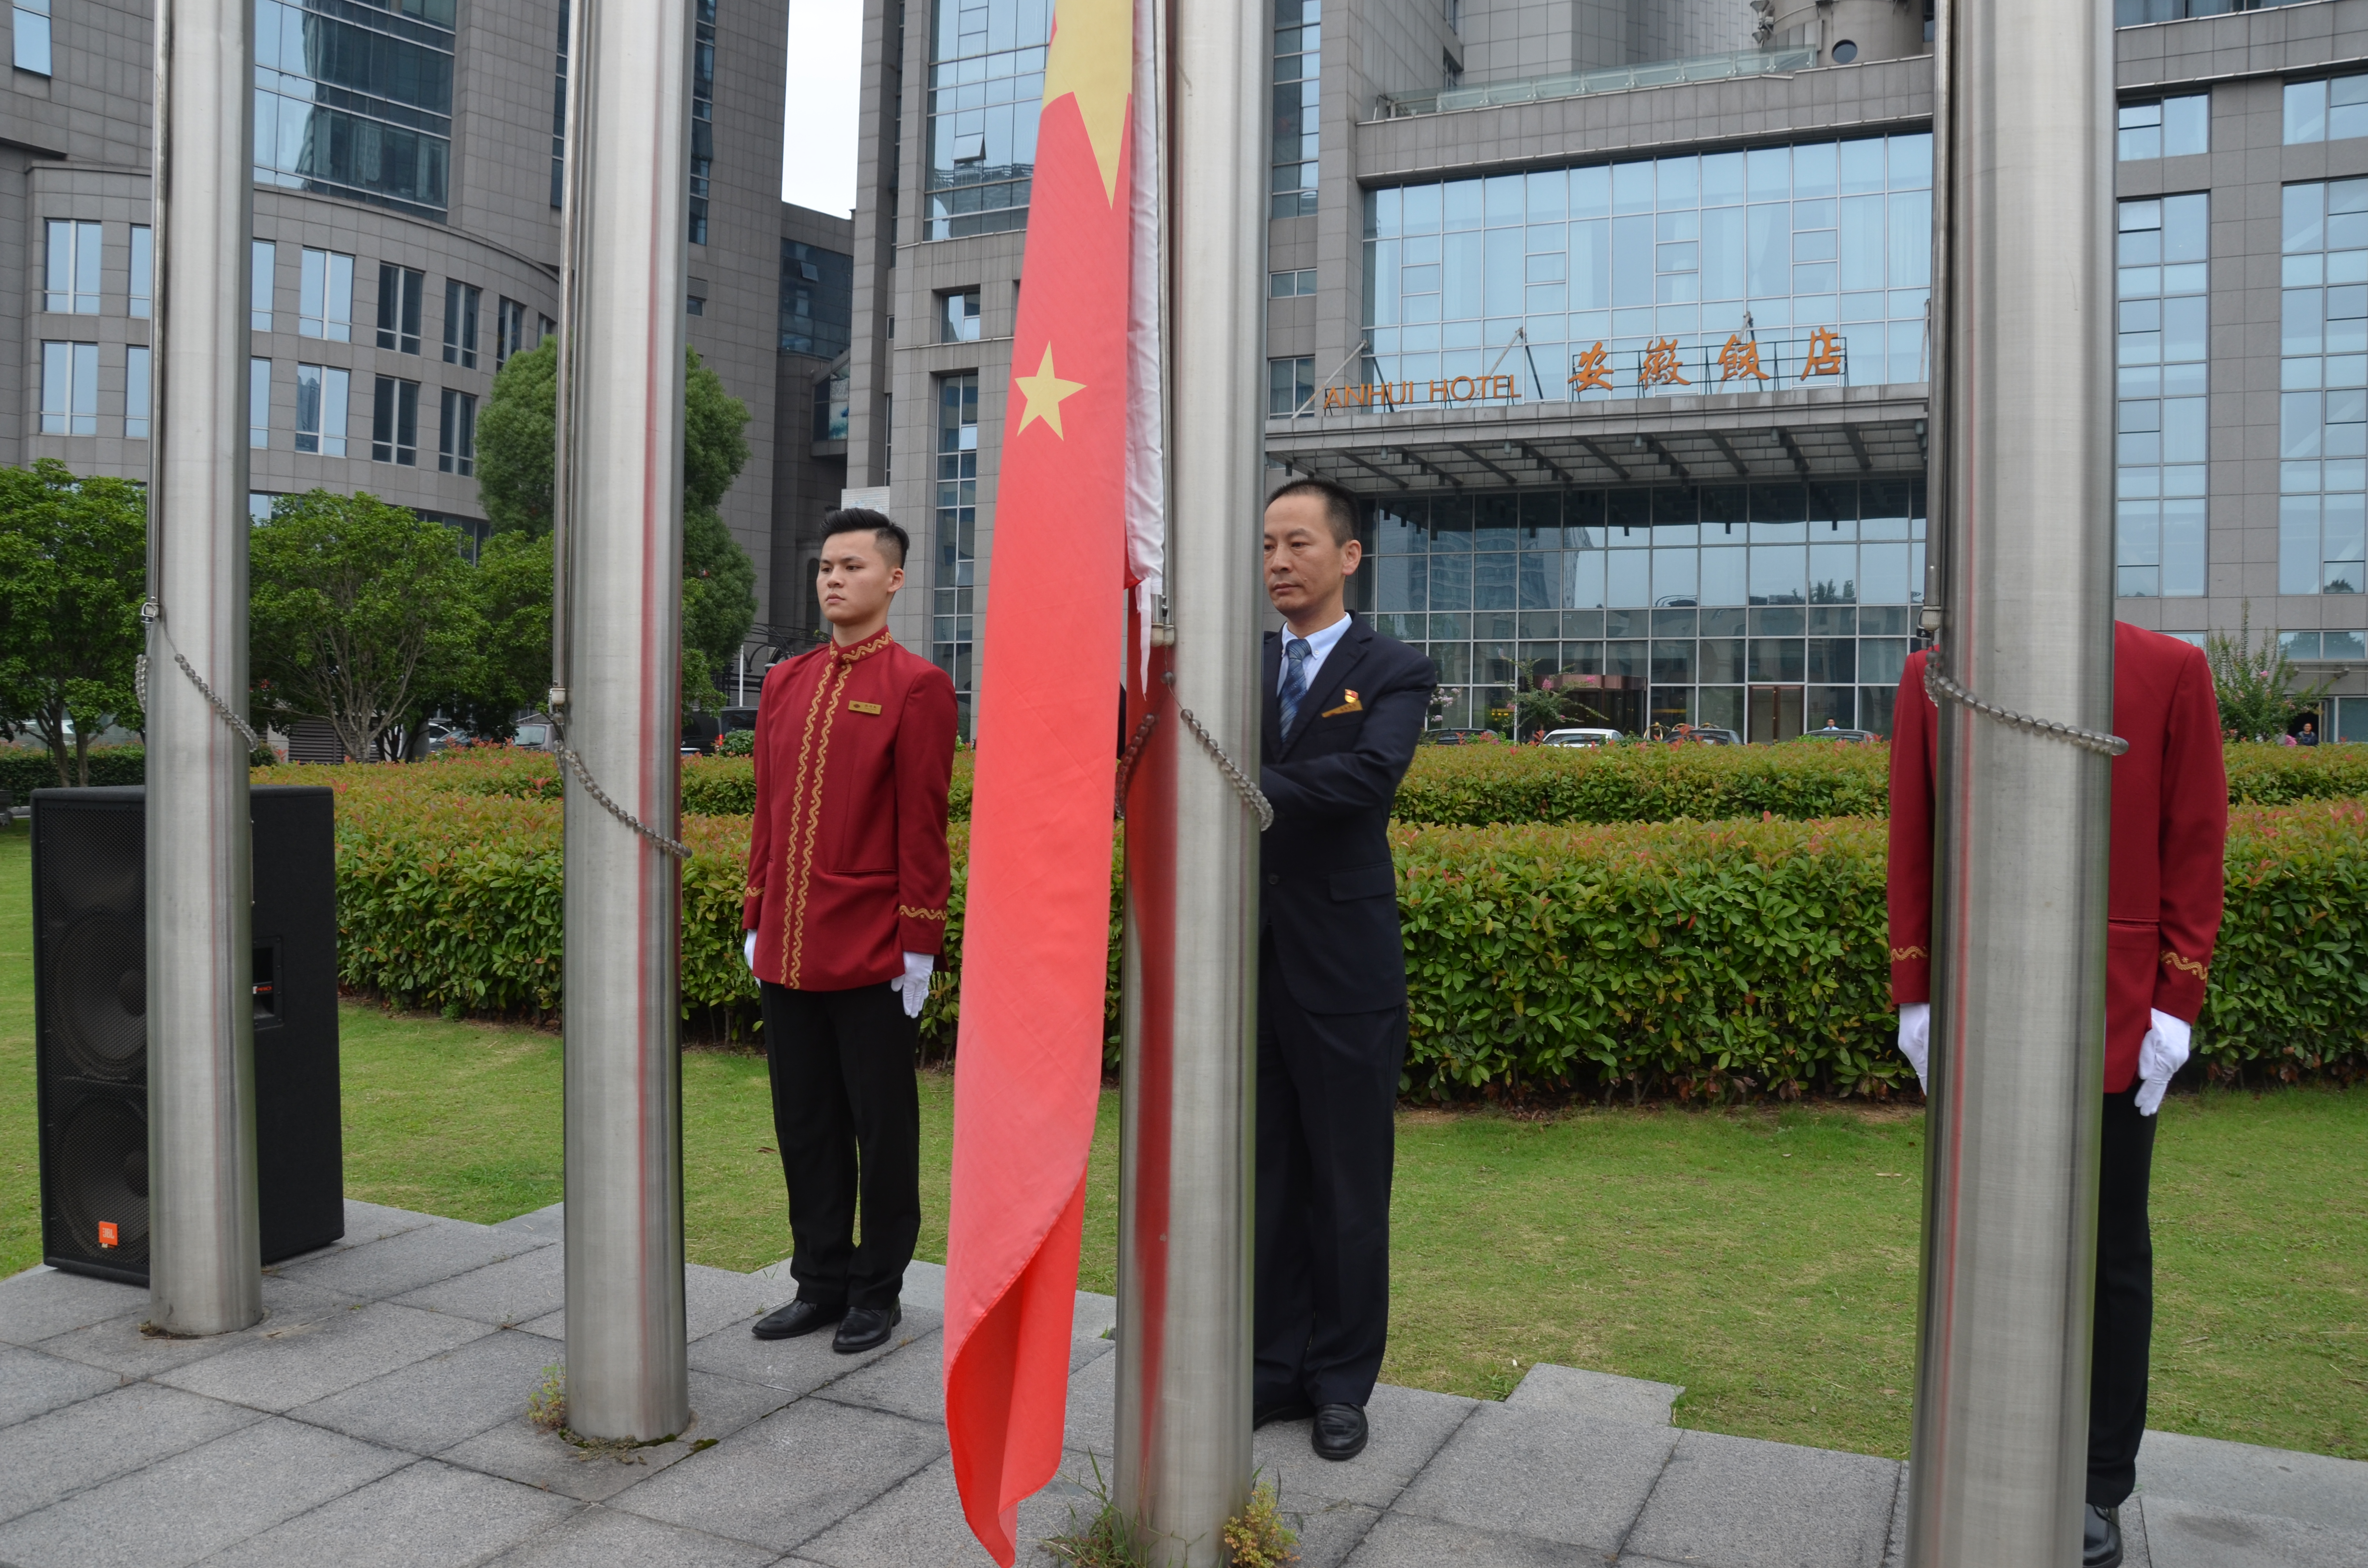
(90, 1007)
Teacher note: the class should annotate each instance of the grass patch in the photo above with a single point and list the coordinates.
(1764, 1258)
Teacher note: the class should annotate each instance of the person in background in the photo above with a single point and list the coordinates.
(848, 879)
(2309, 736)
(2170, 825)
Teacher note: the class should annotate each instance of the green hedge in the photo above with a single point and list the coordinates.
(24, 770)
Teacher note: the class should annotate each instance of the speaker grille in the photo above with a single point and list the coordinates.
(96, 861)
(102, 1149)
(98, 998)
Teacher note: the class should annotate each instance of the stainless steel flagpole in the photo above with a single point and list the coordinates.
(2000, 1444)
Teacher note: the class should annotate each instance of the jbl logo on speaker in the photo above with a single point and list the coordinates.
(108, 1235)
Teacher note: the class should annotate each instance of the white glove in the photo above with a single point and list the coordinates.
(748, 951)
(1915, 1035)
(2160, 1055)
(914, 986)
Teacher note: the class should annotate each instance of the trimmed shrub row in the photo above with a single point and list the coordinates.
(24, 770)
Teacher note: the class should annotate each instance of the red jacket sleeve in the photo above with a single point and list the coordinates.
(2194, 841)
(924, 764)
(760, 835)
(1909, 885)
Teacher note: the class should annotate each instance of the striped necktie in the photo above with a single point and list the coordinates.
(1294, 678)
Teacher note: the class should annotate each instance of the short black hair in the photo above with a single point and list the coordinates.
(1339, 504)
(893, 540)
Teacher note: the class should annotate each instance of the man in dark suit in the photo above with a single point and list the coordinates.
(1345, 707)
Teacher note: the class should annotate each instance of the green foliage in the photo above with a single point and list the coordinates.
(73, 564)
(509, 670)
(713, 448)
(2276, 775)
(1473, 786)
(357, 611)
(719, 603)
(23, 771)
(2255, 685)
(737, 743)
(2289, 992)
(1257, 1536)
(517, 433)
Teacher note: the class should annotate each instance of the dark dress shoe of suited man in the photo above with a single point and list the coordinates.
(1339, 1432)
(796, 1319)
(866, 1328)
(2100, 1541)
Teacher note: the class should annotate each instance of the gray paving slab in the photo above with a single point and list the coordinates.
(715, 1299)
(925, 1285)
(380, 1270)
(912, 1381)
(367, 1222)
(34, 1384)
(187, 1507)
(43, 1302)
(1740, 1503)
(1402, 1540)
(1494, 1475)
(1328, 1532)
(515, 1290)
(921, 1521)
(521, 1451)
(301, 1362)
(602, 1537)
(1091, 1425)
(1404, 1427)
(1573, 1389)
(119, 1345)
(2193, 1535)
(791, 1475)
(428, 1405)
(2137, 1552)
(424, 1516)
(798, 1366)
(2244, 1479)
(80, 1445)
(549, 1223)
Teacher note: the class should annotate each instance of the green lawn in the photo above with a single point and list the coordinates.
(1765, 1259)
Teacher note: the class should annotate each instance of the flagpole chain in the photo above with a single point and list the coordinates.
(1126, 763)
(675, 847)
(153, 615)
(1937, 685)
(1243, 786)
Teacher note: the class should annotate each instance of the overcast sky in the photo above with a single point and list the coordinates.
(819, 130)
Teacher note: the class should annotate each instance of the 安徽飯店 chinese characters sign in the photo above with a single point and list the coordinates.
(1708, 366)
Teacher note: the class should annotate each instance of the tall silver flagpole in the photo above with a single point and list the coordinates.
(2000, 1445)
(1183, 1436)
(205, 1259)
(619, 501)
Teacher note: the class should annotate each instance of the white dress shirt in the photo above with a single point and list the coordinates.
(1318, 644)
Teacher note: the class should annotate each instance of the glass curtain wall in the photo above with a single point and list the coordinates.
(1725, 272)
(1298, 94)
(986, 83)
(2162, 420)
(2323, 406)
(1764, 609)
(355, 100)
(952, 626)
(817, 299)
(702, 117)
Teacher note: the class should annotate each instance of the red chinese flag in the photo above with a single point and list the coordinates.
(1036, 922)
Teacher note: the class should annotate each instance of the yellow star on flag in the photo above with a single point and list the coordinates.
(1093, 56)
(1045, 391)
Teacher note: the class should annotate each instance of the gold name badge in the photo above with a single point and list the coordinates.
(863, 708)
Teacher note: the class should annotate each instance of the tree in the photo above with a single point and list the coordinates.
(355, 610)
(2255, 685)
(515, 438)
(73, 564)
(509, 592)
(1535, 706)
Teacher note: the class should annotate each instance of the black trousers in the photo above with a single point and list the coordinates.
(847, 1117)
(1328, 1092)
(2124, 1321)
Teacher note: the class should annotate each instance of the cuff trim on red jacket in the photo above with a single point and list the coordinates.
(2202, 970)
(1902, 955)
(907, 912)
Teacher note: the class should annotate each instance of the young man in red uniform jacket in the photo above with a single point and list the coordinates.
(845, 913)
(2170, 820)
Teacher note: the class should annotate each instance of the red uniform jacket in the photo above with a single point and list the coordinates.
(846, 861)
(2170, 822)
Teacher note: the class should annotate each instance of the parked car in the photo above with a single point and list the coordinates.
(1712, 735)
(1836, 735)
(1583, 737)
(1461, 737)
(534, 731)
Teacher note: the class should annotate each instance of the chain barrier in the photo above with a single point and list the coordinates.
(1126, 763)
(1242, 784)
(1938, 687)
(153, 614)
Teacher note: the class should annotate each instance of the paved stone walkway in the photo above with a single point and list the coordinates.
(376, 1417)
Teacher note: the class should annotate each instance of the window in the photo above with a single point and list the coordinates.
(1290, 284)
(830, 404)
(459, 323)
(2327, 110)
(986, 87)
(1450, 71)
(356, 100)
(559, 116)
(32, 24)
(258, 506)
(259, 402)
(2162, 422)
(1290, 386)
(952, 626)
(2166, 128)
(510, 330)
(817, 299)
(1298, 71)
(143, 270)
(69, 389)
(1455, 15)
(958, 316)
(135, 393)
(74, 254)
(544, 327)
(259, 286)
(695, 305)
(399, 289)
(703, 117)
(394, 422)
(325, 296)
(2323, 408)
(456, 446)
(323, 394)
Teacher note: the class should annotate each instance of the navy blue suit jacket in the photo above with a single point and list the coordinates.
(1328, 889)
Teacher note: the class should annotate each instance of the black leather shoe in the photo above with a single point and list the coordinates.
(1339, 1432)
(866, 1328)
(1287, 1410)
(797, 1318)
(2100, 1541)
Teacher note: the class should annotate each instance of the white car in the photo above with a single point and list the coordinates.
(1582, 738)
